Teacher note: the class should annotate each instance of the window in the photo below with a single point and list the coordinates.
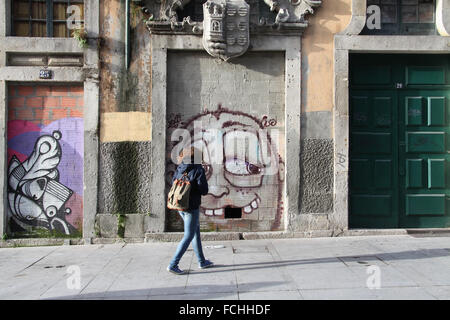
(414, 17)
(46, 18)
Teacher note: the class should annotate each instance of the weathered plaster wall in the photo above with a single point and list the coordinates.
(126, 100)
(125, 118)
(316, 191)
(317, 54)
(125, 126)
(124, 89)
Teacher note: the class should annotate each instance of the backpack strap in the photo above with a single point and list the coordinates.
(185, 173)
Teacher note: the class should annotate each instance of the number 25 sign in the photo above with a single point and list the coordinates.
(45, 74)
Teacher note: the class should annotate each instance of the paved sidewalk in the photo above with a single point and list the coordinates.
(320, 268)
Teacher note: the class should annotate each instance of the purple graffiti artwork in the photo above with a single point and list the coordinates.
(242, 164)
(45, 176)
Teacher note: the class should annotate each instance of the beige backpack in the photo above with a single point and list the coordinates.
(178, 198)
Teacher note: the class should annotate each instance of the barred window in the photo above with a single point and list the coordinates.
(46, 18)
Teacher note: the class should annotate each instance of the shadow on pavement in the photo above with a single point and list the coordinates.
(362, 259)
(197, 292)
(206, 291)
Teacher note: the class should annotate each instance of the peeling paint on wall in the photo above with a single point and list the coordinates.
(317, 54)
(125, 126)
(124, 90)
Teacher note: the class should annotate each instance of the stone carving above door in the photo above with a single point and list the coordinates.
(225, 27)
(292, 11)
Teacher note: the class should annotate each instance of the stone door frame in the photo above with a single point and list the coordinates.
(291, 46)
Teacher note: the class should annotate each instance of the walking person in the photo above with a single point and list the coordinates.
(195, 174)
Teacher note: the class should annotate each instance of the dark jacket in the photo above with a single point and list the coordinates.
(198, 181)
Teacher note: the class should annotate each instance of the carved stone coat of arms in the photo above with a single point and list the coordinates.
(226, 23)
(226, 28)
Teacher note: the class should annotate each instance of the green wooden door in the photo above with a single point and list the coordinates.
(424, 158)
(374, 159)
(399, 142)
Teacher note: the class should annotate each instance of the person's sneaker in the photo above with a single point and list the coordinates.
(206, 264)
(175, 270)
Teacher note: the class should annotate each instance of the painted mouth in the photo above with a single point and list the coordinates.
(247, 209)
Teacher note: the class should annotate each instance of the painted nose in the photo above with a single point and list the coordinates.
(218, 191)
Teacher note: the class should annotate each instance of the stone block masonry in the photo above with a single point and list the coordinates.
(45, 159)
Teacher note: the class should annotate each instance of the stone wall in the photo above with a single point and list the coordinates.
(316, 191)
(125, 123)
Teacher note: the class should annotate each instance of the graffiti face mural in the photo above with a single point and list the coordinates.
(45, 162)
(242, 163)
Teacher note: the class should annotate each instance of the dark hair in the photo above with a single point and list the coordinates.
(190, 152)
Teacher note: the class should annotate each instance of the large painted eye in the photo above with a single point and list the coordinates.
(240, 167)
(252, 169)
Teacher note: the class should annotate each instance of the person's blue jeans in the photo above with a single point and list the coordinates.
(191, 233)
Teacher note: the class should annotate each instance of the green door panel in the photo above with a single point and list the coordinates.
(378, 75)
(419, 142)
(372, 205)
(436, 173)
(425, 75)
(414, 173)
(382, 111)
(361, 181)
(399, 141)
(425, 204)
(436, 111)
(414, 111)
(372, 142)
(382, 174)
(360, 115)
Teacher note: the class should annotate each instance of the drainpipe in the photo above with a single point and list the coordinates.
(127, 34)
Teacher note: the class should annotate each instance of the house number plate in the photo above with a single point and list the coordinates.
(45, 74)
